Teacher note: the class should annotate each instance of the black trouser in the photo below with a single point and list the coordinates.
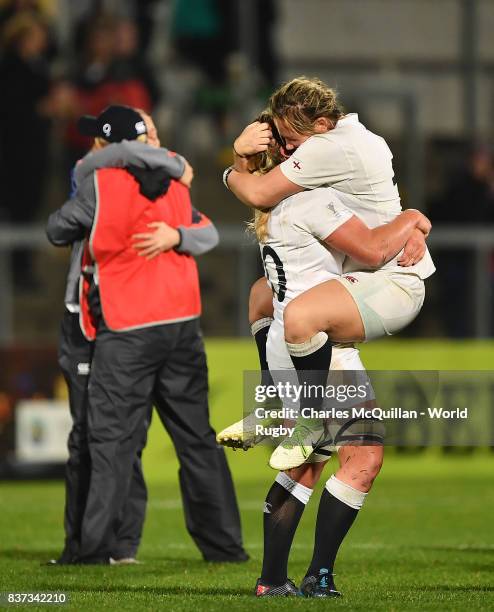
(75, 355)
(166, 363)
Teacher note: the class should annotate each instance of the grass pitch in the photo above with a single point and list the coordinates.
(423, 540)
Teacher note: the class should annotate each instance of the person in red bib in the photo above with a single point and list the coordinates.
(140, 300)
(75, 355)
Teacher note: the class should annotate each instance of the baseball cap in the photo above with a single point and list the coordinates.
(114, 124)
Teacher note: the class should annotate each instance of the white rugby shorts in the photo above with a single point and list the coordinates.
(387, 301)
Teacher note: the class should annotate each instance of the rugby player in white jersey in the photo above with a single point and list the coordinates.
(328, 148)
(292, 237)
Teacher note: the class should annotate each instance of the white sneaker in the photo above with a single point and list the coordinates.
(125, 561)
(297, 448)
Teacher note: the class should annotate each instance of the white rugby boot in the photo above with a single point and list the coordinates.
(245, 433)
(298, 448)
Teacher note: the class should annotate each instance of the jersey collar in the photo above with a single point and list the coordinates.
(350, 118)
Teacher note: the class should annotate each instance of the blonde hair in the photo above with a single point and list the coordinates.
(99, 142)
(301, 101)
(262, 163)
(259, 224)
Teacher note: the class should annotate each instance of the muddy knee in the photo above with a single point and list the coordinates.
(360, 465)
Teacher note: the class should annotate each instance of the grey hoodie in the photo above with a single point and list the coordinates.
(70, 224)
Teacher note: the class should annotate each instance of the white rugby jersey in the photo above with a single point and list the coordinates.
(357, 163)
(294, 257)
(295, 260)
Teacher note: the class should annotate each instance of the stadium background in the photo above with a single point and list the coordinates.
(420, 74)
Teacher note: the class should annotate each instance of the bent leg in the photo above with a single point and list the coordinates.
(313, 321)
(326, 307)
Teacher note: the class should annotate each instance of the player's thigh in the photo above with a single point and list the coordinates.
(260, 300)
(326, 307)
(387, 301)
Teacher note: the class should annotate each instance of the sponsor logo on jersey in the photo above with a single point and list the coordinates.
(296, 164)
(351, 279)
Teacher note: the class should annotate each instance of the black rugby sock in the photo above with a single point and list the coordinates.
(260, 330)
(334, 519)
(312, 359)
(282, 514)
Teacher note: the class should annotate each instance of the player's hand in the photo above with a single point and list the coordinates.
(414, 249)
(162, 239)
(255, 138)
(188, 175)
(422, 223)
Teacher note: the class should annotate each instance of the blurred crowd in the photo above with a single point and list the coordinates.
(468, 196)
(107, 65)
(467, 200)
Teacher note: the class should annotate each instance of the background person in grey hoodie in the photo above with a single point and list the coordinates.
(76, 351)
(167, 353)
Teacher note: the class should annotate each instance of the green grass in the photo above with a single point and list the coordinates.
(423, 541)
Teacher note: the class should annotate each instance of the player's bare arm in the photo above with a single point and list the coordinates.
(261, 191)
(375, 247)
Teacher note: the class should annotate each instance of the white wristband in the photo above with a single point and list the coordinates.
(226, 174)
